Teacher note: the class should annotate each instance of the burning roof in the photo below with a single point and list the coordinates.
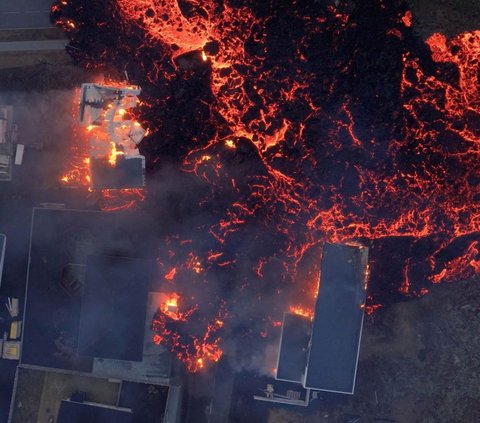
(114, 136)
(323, 355)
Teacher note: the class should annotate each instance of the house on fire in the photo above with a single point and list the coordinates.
(322, 354)
(114, 135)
(87, 352)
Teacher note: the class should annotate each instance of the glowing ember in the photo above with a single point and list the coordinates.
(170, 308)
(407, 18)
(94, 141)
(301, 311)
(112, 157)
(195, 351)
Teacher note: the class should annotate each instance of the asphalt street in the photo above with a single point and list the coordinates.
(21, 14)
(14, 46)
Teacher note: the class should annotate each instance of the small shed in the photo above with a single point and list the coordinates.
(294, 343)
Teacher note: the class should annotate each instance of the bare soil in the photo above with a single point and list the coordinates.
(449, 17)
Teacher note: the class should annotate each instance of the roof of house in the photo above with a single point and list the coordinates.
(58, 239)
(82, 412)
(114, 303)
(127, 173)
(338, 319)
(292, 356)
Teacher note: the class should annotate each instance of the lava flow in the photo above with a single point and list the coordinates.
(171, 329)
(275, 127)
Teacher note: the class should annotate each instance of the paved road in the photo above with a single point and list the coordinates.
(32, 45)
(18, 14)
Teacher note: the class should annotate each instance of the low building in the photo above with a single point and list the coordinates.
(338, 320)
(322, 354)
(114, 135)
(72, 411)
(87, 317)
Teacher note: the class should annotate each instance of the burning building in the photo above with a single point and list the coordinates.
(88, 312)
(321, 352)
(114, 136)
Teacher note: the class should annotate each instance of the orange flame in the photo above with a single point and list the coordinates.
(301, 311)
(112, 158)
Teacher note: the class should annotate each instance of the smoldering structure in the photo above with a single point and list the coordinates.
(115, 162)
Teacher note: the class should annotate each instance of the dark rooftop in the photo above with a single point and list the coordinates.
(127, 173)
(338, 319)
(112, 321)
(292, 356)
(59, 238)
(3, 243)
(148, 402)
(82, 412)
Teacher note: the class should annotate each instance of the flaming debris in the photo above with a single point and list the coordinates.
(170, 327)
(299, 125)
(299, 310)
(113, 164)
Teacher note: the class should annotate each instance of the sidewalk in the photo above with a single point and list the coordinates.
(14, 46)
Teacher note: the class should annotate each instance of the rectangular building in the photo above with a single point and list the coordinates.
(323, 354)
(294, 343)
(338, 319)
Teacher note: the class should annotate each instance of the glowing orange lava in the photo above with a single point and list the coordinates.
(195, 351)
(293, 151)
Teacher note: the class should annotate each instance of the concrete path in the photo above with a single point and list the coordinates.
(14, 46)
